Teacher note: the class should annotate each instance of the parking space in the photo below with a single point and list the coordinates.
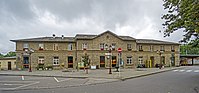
(29, 82)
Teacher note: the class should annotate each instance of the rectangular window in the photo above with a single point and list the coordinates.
(173, 48)
(55, 47)
(101, 46)
(151, 48)
(84, 46)
(129, 47)
(25, 45)
(113, 46)
(70, 46)
(140, 48)
(40, 60)
(41, 46)
(161, 48)
(140, 59)
(56, 61)
(0, 65)
(129, 60)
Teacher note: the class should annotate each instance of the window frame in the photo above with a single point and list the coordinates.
(41, 46)
(56, 60)
(41, 58)
(140, 48)
(129, 48)
(55, 47)
(129, 60)
(70, 46)
(84, 46)
(25, 45)
(102, 46)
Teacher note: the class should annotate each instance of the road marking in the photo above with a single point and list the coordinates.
(188, 70)
(181, 70)
(11, 84)
(196, 71)
(27, 85)
(56, 79)
(22, 85)
(66, 80)
(175, 70)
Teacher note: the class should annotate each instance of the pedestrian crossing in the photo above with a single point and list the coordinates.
(189, 70)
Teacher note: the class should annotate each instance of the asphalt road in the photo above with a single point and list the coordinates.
(177, 81)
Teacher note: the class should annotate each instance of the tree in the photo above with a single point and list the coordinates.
(182, 15)
(86, 62)
(10, 54)
(188, 49)
(1, 55)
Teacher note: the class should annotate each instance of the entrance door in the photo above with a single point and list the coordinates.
(25, 62)
(70, 62)
(114, 61)
(152, 61)
(9, 66)
(102, 61)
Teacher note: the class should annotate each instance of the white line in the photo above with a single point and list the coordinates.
(12, 84)
(188, 70)
(18, 81)
(66, 80)
(181, 70)
(27, 85)
(175, 70)
(56, 79)
(196, 71)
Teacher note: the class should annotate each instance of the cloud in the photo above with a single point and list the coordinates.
(35, 18)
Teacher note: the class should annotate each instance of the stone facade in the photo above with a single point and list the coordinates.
(8, 63)
(66, 52)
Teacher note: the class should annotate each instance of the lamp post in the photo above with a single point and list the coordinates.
(160, 54)
(29, 51)
(109, 56)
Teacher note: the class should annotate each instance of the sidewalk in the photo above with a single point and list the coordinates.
(98, 73)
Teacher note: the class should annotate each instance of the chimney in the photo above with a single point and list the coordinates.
(62, 36)
(53, 35)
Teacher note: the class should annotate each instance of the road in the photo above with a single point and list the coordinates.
(177, 81)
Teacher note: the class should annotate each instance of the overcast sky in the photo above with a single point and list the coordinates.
(21, 19)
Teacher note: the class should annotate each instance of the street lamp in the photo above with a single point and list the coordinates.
(29, 51)
(109, 48)
(160, 54)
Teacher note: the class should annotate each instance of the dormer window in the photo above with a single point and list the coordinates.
(41, 46)
(102, 46)
(84, 46)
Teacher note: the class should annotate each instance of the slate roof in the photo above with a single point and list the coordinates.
(151, 41)
(47, 39)
(90, 37)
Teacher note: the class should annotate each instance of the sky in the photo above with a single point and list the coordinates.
(20, 19)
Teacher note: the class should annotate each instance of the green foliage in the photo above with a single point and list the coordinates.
(86, 60)
(1, 55)
(189, 49)
(10, 54)
(182, 15)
